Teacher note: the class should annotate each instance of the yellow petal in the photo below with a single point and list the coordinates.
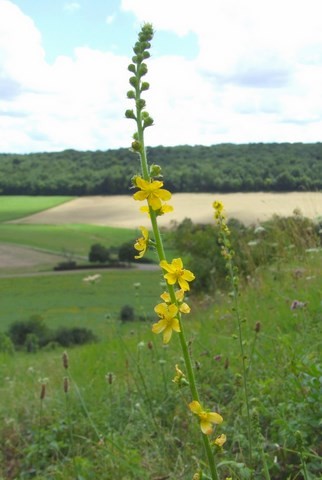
(214, 417)
(159, 326)
(182, 283)
(171, 278)
(184, 308)
(163, 194)
(140, 195)
(166, 297)
(175, 325)
(187, 275)
(167, 334)
(206, 427)
(195, 407)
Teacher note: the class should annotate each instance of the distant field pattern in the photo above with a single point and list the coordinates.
(123, 211)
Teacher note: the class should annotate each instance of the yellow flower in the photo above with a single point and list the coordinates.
(220, 440)
(206, 418)
(183, 307)
(168, 322)
(176, 273)
(142, 243)
(179, 377)
(152, 192)
(165, 208)
(219, 208)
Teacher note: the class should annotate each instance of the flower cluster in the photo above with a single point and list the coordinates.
(224, 232)
(177, 274)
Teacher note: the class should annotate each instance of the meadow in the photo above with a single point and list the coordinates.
(120, 415)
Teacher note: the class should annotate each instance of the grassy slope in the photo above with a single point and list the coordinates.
(14, 207)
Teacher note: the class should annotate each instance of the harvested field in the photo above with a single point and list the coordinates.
(123, 211)
(13, 256)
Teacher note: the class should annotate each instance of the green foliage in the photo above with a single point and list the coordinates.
(67, 337)
(127, 252)
(6, 345)
(127, 313)
(29, 333)
(274, 240)
(33, 334)
(256, 167)
(99, 253)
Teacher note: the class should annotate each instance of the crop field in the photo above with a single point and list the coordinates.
(14, 207)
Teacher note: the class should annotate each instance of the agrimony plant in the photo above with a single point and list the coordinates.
(173, 306)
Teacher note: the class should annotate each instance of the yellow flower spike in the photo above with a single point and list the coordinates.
(152, 192)
(206, 418)
(220, 440)
(142, 243)
(176, 273)
(169, 321)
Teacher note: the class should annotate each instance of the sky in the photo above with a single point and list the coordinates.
(221, 71)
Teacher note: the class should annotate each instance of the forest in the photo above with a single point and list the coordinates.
(282, 167)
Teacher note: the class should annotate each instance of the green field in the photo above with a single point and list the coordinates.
(65, 300)
(62, 239)
(14, 207)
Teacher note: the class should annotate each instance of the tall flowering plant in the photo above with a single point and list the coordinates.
(149, 189)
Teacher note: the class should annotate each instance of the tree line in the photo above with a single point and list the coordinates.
(252, 167)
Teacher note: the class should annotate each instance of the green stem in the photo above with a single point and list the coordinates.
(242, 352)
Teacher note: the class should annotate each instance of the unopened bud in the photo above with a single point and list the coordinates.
(136, 146)
(150, 345)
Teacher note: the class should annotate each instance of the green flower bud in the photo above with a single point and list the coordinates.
(143, 69)
(155, 171)
(144, 86)
(140, 103)
(136, 136)
(130, 114)
(131, 68)
(146, 54)
(133, 81)
(147, 122)
(136, 146)
(131, 94)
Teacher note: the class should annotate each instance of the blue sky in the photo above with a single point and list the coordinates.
(221, 71)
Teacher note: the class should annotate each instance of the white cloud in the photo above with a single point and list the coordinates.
(257, 77)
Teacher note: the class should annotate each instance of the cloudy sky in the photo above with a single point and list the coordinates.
(221, 71)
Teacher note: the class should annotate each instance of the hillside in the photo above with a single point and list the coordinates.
(223, 168)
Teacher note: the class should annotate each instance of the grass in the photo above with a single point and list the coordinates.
(15, 207)
(65, 239)
(137, 427)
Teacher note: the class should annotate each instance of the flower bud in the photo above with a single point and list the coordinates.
(155, 171)
(133, 81)
(142, 70)
(147, 122)
(140, 104)
(145, 86)
(130, 94)
(131, 68)
(130, 114)
(136, 146)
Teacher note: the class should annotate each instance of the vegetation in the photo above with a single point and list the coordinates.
(219, 168)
